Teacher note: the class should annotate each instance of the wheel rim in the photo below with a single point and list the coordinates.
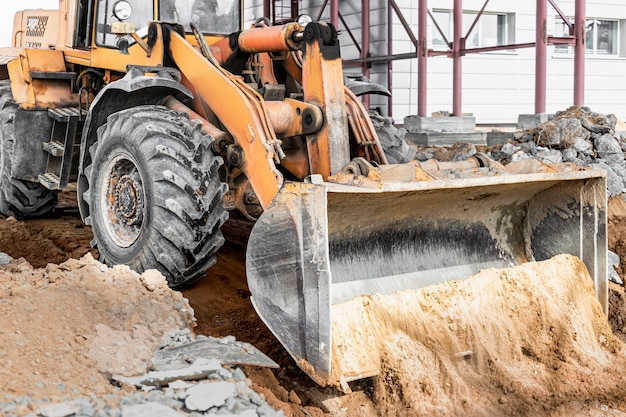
(123, 200)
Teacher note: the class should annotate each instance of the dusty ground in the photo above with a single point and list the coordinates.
(545, 370)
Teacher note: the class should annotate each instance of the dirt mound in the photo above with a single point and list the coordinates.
(65, 328)
(519, 341)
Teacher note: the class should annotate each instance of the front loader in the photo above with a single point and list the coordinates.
(166, 115)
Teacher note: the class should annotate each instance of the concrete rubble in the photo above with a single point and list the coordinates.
(217, 390)
(188, 375)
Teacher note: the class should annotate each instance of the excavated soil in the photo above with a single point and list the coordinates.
(529, 341)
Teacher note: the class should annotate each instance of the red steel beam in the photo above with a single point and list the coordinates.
(345, 25)
(334, 13)
(321, 12)
(541, 48)
(564, 18)
(365, 42)
(457, 50)
(580, 23)
(365, 34)
(390, 62)
(480, 13)
(422, 56)
(404, 22)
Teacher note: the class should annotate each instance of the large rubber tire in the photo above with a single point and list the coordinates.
(154, 194)
(19, 198)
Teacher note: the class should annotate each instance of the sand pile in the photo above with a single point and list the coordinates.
(66, 328)
(528, 340)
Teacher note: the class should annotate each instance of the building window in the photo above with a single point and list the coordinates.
(602, 37)
(492, 29)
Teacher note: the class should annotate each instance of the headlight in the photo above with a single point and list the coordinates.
(304, 19)
(122, 10)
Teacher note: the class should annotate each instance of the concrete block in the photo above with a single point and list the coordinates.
(495, 137)
(528, 121)
(451, 124)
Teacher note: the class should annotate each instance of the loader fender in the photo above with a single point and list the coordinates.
(134, 89)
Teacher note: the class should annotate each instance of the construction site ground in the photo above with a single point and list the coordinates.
(559, 356)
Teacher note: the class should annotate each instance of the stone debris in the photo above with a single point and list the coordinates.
(200, 369)
(150, 409)
(208, 386)
(4, 258)
(203, 396)
(227, 350)
(113, 332)
(397, 149)
(207, 356)
(58, 410)
(613, 261)
(576, 135)
(227, 392)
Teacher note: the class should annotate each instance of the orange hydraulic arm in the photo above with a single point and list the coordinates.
(322, 117)
(240, 109)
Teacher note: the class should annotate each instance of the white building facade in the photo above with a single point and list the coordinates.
(497, 86)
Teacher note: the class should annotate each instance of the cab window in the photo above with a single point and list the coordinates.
(211, 16)
(139, 14)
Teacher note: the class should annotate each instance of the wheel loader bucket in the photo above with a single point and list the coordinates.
(319, 245)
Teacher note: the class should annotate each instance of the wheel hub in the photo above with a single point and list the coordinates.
(129, 200)
(123, 203)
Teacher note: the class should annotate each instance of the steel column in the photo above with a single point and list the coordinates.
(267, 8)
(541, 48)
(457, 68)
(390, 62)
(422, 56)
(365, 42)
(580, 23)
(334, 13)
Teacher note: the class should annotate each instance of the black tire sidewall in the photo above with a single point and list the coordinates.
(109, 249)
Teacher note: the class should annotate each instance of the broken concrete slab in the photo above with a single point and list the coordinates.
(150, 409)
(203, 396)
(200, 369)
(227, 351)
(58, 410)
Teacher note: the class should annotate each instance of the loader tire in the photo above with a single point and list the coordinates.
(154, 194)
(18, 198)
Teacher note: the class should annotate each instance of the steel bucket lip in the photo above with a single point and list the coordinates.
(477, 181)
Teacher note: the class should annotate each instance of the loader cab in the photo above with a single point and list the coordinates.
(211, 16)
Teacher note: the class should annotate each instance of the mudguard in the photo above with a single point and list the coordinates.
(134, 89)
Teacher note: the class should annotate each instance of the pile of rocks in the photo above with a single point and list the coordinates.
(392, 139)
(577, 135)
